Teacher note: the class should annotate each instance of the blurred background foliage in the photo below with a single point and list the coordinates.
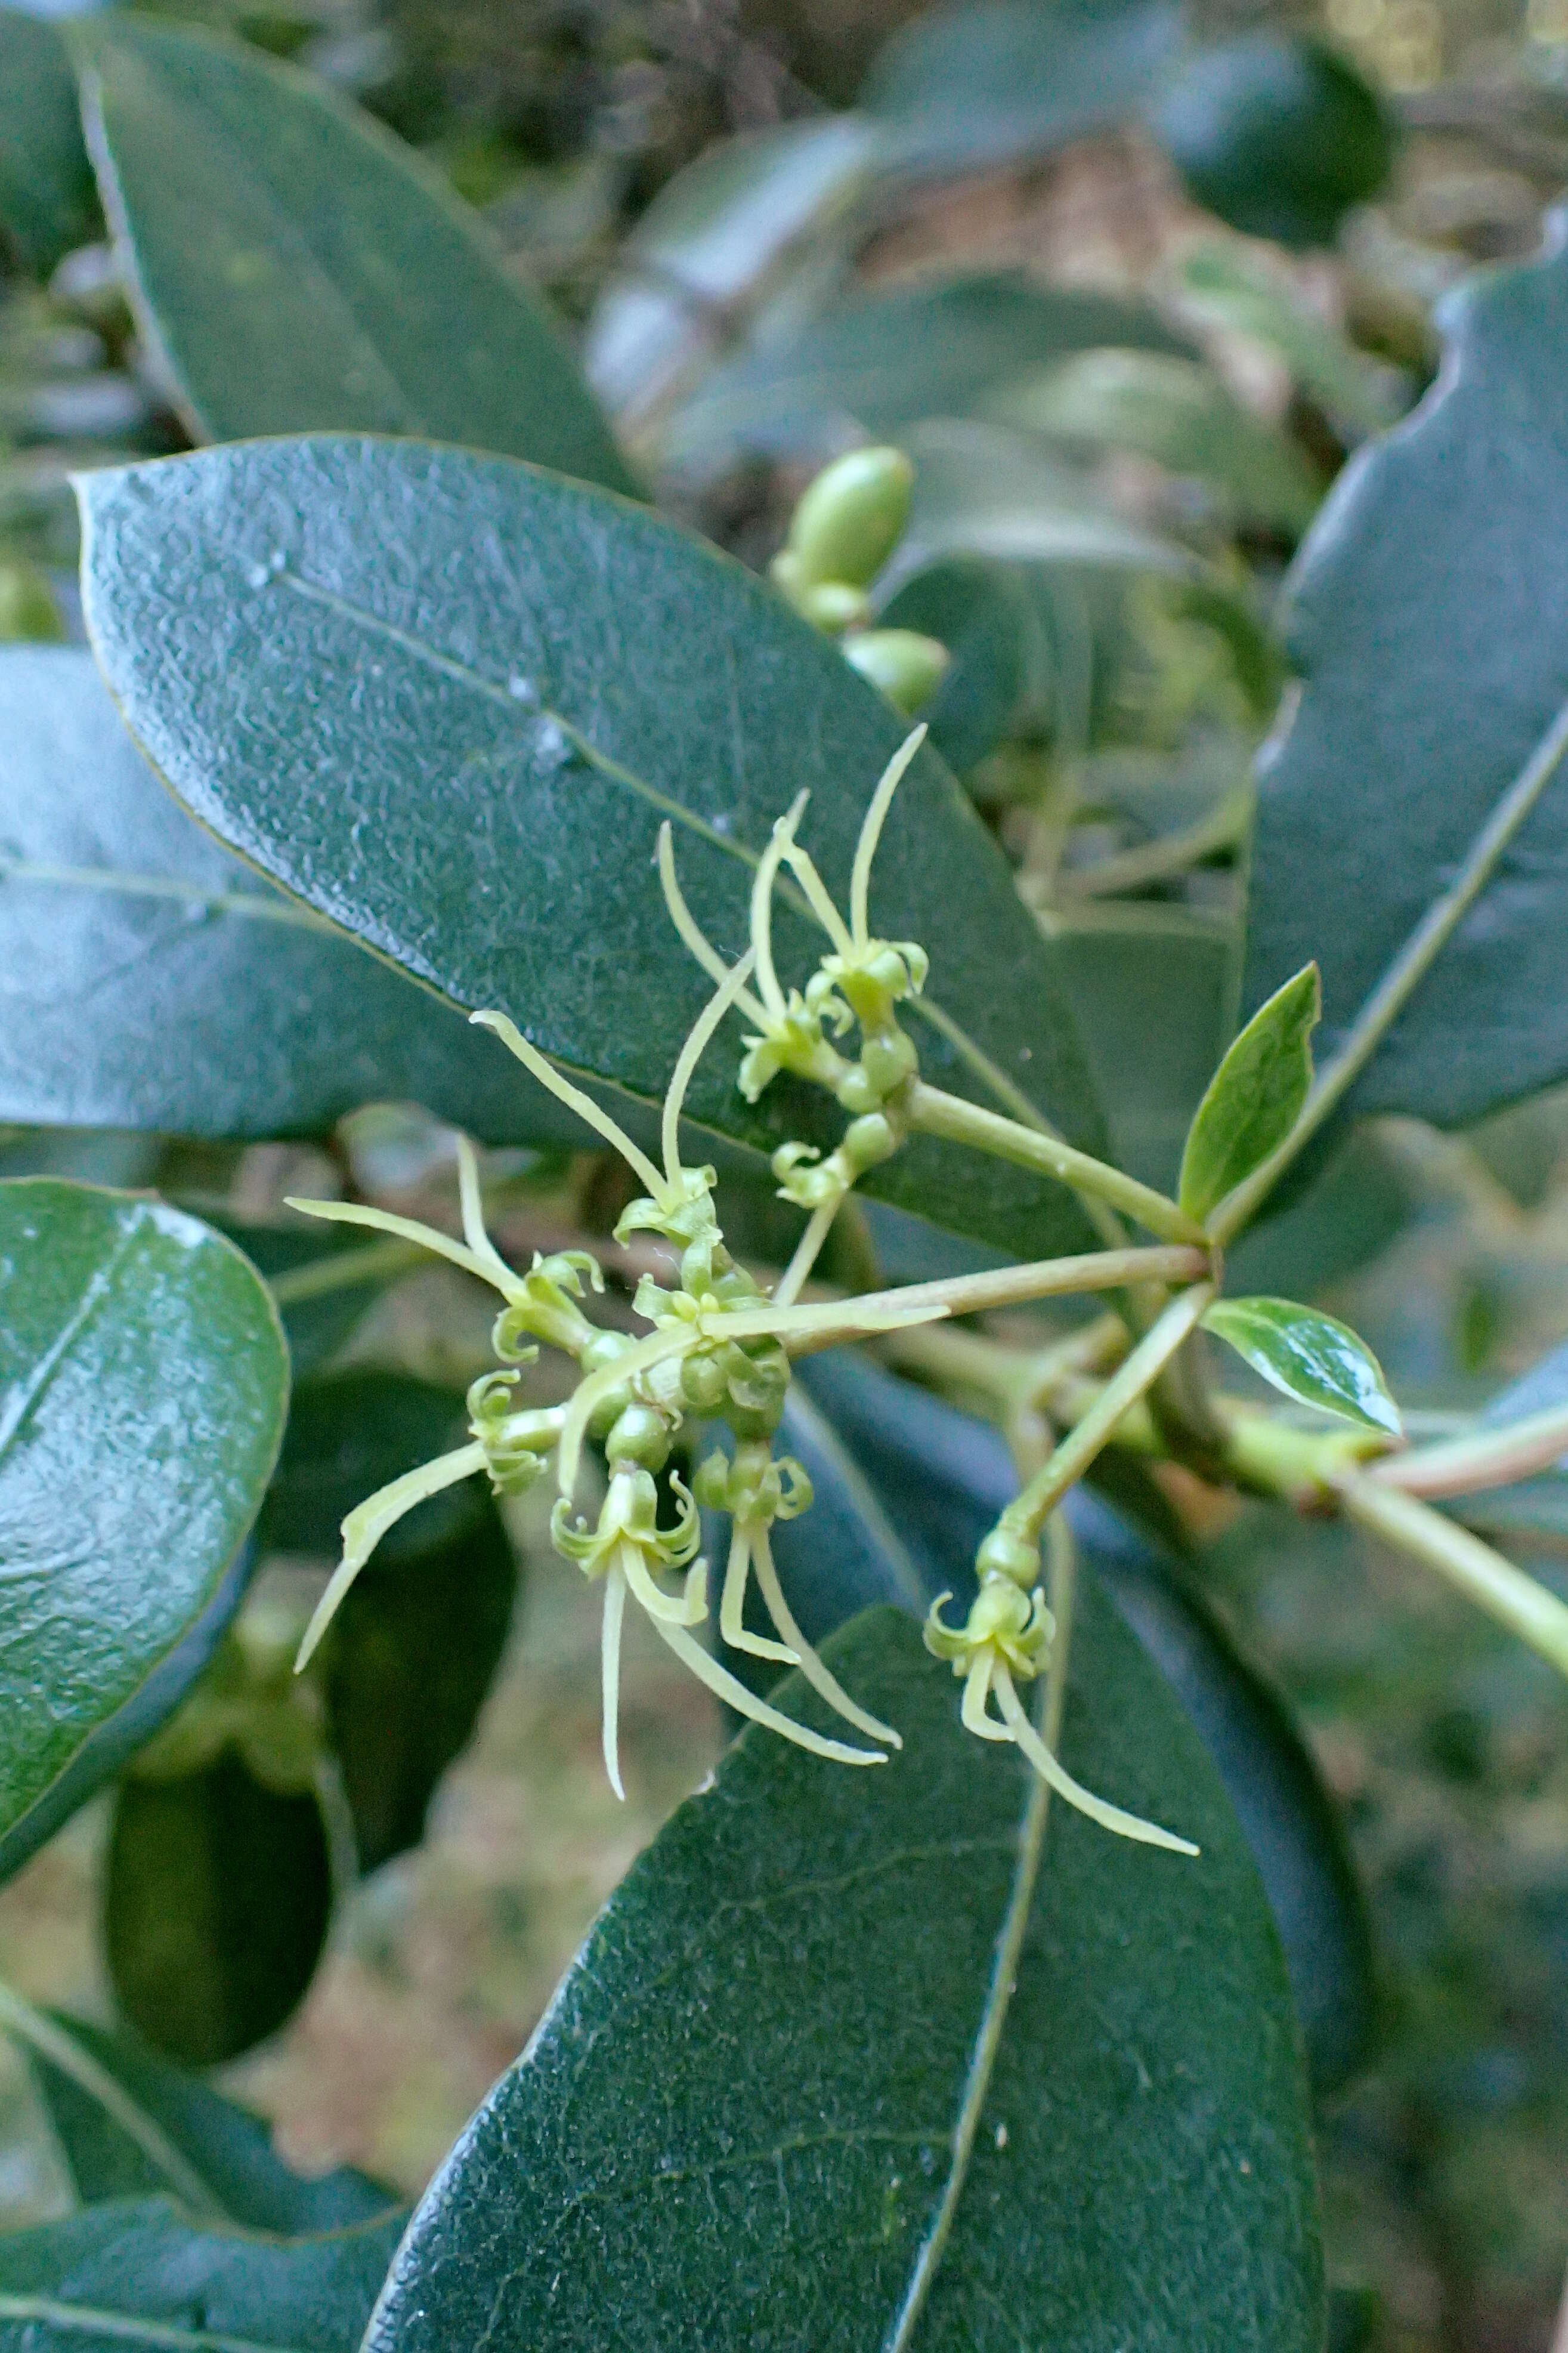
(1126, 389)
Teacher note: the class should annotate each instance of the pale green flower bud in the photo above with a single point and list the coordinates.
(851, 518)
(900, 664)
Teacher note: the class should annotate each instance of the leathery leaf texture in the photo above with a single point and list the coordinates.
(144, 1383)
(335, 280)
(449, 701)
(1414, 611)
(783, 2098)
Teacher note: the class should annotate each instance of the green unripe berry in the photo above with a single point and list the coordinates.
(851, 518)
(887, 1059)
(1005, 1556)
(867, 1141)
(710, 1483)
(902, 664)
(639, 1435)
(702, 1382)
(831, 605)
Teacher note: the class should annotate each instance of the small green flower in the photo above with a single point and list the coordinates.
(1008, 1633)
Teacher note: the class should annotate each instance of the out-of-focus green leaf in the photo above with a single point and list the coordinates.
(879, 361)
(223, 2147)
(1311, 1357)
(144, 1380)
(415, 1647)
(1241, 290)
(1176, 412)
(216, 1898)
(709, 241)
(1255, 1097)
(46, 202)
(514, 681)
(1151, 991)
(335, 280)
(1277, 134)
(148, 980)
(135, 2271)
(962, 88)
(308, 1267)
(1414, 614)
(796, 2085)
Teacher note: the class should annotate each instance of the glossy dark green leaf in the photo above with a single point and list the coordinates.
(144, 1380)
(1255, 1097)
(962, 88)
(941, 1477)
(739, 2121)
(513, 680)
(216, 2145)
(415, 1645)
(1151, 994)
(1278, 134)
(880, 360)
(1176, 412)
(148, 980)
(216, 1898)
(1311, 1357)
(336, 282)
(138, 2272)
(46, 202)
(1415, 620)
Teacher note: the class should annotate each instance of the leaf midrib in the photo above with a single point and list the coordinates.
(119, 882)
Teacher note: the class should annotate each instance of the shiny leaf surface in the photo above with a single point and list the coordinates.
(1415, 620)
(144, 1380)
(514, 680)
(336, 282)
(1255, 1097)
(1311, 1357)
(148, 980)
(138, 2272)
(741, 2117)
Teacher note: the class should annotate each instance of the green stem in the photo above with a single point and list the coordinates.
(808, 1328)
(932, 1113)
(53, 2042)
(1133, 870)
(1404, 977)
(344, 1271)
(1495, 1457)
(1028, 1512)
(1494, 1584)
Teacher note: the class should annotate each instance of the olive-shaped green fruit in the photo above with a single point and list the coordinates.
(849, 519)
(1278, 135)
(907, 667)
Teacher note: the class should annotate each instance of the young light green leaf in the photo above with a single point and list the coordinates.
(800, 2087)
(138, 2272)
(1311, 1357)
(336, 282)
(46, 202)
(514, 681)
(1255, 1097)
(134, 952)
(143, 1379)
(1425, 691)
